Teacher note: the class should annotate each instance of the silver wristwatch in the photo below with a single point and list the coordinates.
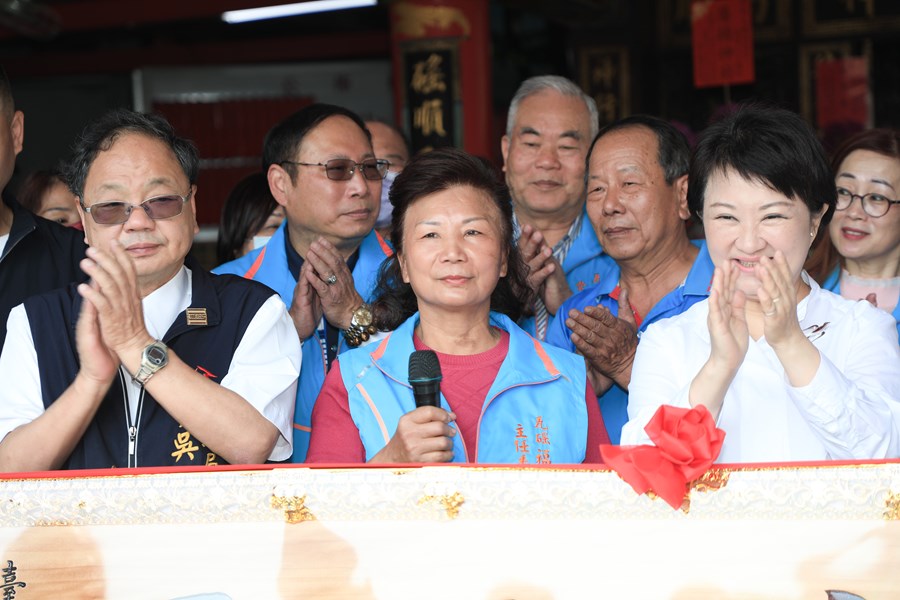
(154, 358)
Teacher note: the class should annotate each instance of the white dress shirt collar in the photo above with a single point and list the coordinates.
(164, 304)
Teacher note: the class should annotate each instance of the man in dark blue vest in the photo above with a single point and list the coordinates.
(154, 361)
(36, 255)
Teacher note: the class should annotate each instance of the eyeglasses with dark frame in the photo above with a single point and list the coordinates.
(874, 205)
(342, 169)
(157, 208)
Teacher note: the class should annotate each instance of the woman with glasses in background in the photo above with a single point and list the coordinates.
(858, 254)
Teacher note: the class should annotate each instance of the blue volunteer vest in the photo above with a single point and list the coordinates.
(206, 341)
(269, 265)
(534, 411)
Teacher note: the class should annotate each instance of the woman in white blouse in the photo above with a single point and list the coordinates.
(791, 372)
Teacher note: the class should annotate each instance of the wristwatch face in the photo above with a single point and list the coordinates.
(362, 316)
(156, 355)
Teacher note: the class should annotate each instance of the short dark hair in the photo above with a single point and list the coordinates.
(245, 212)
(428, 174)
(770, 145)
(673, 151)
(7, 104)
(284, 140)
(33, 188)
(101, 134)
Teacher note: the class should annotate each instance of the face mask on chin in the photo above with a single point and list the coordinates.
(260, 240)
(387, 209)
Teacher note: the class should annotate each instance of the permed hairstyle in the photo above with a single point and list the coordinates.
(428, 174)
(824, 257)
(101, 134)
(555, 83)
(283, 141)
(673, 152)
(769, 145)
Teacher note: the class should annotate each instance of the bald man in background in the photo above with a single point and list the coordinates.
(389, 143)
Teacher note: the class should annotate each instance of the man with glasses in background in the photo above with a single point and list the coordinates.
(154, 361)
(324, 259)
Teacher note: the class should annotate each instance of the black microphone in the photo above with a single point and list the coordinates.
(425, 378)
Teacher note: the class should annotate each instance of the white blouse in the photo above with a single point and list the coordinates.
(850, 410)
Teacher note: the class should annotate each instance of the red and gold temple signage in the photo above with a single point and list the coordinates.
(722, 36)
(431, 80)
(440, 51)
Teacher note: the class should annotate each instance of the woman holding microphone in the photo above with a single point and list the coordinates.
(455, 286)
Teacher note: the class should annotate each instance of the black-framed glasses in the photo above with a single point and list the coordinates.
(342, 169)
(158, 207)
(874, 205)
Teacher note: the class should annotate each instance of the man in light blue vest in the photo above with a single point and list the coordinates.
(549, 129)
(324, 259)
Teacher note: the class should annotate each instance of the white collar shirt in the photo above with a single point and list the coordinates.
(850, 409)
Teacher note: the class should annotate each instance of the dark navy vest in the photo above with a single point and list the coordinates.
(205, 336)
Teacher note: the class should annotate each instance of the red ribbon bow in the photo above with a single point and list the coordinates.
(687, 443)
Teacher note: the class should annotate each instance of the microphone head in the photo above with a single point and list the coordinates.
(424, 366)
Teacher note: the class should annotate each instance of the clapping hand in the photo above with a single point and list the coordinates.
(306, 307)
(727, 322)
(333, 282)
(546, 277)
(98, 362)
(111, 324)
(607, 342)
(778, 300)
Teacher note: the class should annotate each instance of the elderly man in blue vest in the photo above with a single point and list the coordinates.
(549, 128)
(324, 259)
(637, 203)
(154, 362)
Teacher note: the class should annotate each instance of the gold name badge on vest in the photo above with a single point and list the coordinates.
(196, 316)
